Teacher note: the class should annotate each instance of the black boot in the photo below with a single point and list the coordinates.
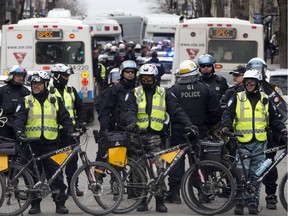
(173, 196)
(160, 207)
(35, 207)
(239, 209)
(78, 192)
(61, 209)
(271, 201)
(143, 205)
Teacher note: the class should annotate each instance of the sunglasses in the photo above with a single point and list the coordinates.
(250, 82)
(204, 65)
(237, 75)
(129, 71)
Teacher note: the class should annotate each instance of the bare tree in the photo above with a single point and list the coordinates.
(77, 7)
(282, 36)
(161, 6)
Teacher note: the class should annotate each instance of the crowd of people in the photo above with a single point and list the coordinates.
(201, 102)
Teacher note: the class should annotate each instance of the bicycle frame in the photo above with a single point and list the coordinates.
(183, 150)
(75, 148)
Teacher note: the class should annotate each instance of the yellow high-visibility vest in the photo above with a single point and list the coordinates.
(248, 121)
(68, 100)
(42, 118)
(157, 117)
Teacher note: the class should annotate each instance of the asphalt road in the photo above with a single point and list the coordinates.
(48, 206)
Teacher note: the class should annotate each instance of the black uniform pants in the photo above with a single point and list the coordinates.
(175, 176)
(50, 167)
(72, 165)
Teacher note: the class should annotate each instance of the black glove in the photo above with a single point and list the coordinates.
(223, 131)
(81, 127)
(20, 135)
(132, 127)
(193, 129)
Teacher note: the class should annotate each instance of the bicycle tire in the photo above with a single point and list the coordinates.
(17, 197)
(2, 189)
(282, 190)
(101, 184)
(218, 188)
(135, 187)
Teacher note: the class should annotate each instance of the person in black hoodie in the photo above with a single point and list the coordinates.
(41, 115)
(11, 96)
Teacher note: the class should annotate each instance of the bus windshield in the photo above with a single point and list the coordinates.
(60, 52)
(232, 51)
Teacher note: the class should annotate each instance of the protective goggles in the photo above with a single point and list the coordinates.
(205, 65)
(34, 78)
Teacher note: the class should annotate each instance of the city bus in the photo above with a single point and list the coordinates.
(104, 30)
(159, 27)
(39, 43)
(230, 41)
(131, 26)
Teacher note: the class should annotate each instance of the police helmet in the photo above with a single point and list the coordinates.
(16, 69)
(128, 64)
(62, 69)
(188, 68)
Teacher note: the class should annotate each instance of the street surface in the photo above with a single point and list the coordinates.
(48, 206)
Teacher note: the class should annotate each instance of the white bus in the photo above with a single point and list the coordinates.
(131, 26)
(158, 27)
(39, 43)
(230, 41)
(104, 30)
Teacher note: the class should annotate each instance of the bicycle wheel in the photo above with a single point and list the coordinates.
(208, 188)
(135, 187)
(17, 197)
(283, 188)
(102, 187)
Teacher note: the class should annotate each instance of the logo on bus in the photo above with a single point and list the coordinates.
(19, 56)
(192, 52)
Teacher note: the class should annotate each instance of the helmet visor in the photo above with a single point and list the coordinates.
(34, 78)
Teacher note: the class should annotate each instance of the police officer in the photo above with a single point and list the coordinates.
(238, 86)
(249, 112)
(159, 65)
(237, 73)
(76, 109)
(112, 108)
(217, 83)
(40, 116)
(201, 106)
(270, 180)
(101, 72)
(146, 109)
(11, 96)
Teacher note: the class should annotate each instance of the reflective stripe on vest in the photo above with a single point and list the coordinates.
(42, 118)
(103, 71)
(251, 122)
(68, 99)
(157, 117)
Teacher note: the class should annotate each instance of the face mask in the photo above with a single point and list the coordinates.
(62, 81)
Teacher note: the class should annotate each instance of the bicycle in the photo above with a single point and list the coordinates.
(282, 190)
(99, 195)
(209, 178)
(249, 188)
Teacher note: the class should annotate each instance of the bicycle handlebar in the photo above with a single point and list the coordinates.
(233, 134)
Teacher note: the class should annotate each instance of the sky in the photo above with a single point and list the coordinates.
(135, 7)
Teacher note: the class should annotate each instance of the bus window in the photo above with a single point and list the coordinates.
(64, 52)
(232, 51)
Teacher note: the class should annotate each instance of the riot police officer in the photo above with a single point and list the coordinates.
(11, 96)
(146, 109)
(217, 83)
(76, 109)
(201, 106)
(112, 107)
(40, 116)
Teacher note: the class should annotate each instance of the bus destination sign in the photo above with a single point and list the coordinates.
(222, 33)
(45, 34)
